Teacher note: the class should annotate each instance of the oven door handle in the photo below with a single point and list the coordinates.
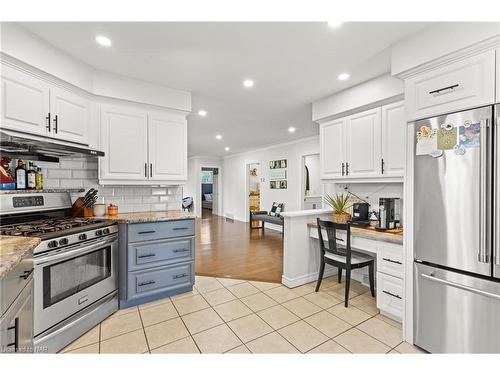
(70, 254)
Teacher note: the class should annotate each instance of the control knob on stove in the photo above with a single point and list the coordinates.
(52, 244)
(63, 241)
(98, 232)
(82, 237)
(105, 231)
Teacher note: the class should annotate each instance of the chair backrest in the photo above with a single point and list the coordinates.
(331, 229)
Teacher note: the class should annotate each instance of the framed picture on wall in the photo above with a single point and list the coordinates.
(272, 184)
(274, 164)
(282, 184)
(283, 163)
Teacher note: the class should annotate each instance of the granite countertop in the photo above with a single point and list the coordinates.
(31, 191)
(371, 234)
(13, 250)
(144, 217)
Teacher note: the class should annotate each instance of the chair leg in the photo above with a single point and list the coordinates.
(347, 284)
(339, 272)
(320, 275)
(371, 275)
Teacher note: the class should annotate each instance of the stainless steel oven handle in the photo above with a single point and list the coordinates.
(483, 255)
(72, 253)
(460, 286)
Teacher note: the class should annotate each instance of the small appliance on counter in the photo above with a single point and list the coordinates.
(360, 212)
(389, 213)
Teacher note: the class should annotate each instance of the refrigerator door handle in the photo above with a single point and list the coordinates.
(483, 255)
(484, 293)
(496, 198)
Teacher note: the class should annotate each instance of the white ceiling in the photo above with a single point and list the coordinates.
(292, 64)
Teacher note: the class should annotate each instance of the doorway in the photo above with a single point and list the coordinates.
(253, 188)
(209, 192)
(311, 192)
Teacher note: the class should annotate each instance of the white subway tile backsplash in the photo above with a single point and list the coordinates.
(82, 173)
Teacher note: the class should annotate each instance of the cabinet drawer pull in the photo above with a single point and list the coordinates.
(452, 87)
(392, 261)
(147, 283)
(391, 294)
(147, 232)
(146, 256)
(181, 275)
(180, 250)
(180, 228)
(26, 274)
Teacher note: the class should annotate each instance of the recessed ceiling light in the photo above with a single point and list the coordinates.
(343, 76)
(291, 129)
(333, 24)
(218, 136)
(103, 40)
(202, 112)
(248, 83)
(227, 148)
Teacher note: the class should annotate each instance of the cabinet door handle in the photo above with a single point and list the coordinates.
(55, 123)
(452, 87)
(347, 169)
(180, 250)
(26, 274)
(147, 232)
(150, 282)
(146, 256)
(343, 169)
(392, 261)
(382, 165)
(15, 327)
(151, 170)
(146, 170)
(391, 294)
(181, 275)
(48, 126)
(180, 228)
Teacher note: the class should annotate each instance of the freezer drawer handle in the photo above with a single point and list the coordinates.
(146, 256)
(181, 275)
(392, 294)
(443, 89)
(392, 261)
(147, 283)
(460, 286)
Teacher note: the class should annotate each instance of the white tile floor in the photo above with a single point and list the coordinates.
(239, 316)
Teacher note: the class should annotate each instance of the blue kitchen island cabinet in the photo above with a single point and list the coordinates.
(156, 260)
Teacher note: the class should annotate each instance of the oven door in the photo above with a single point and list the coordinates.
(72, 278)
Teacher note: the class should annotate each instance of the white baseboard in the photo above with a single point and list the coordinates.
(301, 280)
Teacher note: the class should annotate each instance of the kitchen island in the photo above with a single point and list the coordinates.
(149, 216)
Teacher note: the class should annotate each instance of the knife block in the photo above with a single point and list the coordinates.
(78, 210)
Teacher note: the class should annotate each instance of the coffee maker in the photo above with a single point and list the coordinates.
(389, 213)
(360, 212)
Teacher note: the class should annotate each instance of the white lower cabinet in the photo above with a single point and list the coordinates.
(142, 147)
(390, 274)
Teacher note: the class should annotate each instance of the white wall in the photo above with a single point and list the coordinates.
(234, 179)
(193, 185)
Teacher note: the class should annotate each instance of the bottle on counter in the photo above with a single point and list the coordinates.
(31, 176)
(39, 178)
(21, 177)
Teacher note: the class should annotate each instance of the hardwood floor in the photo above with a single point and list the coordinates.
(230, 249)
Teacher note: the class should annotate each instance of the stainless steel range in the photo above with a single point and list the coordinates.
(76, 265)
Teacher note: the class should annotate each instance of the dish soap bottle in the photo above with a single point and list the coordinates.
(20, 175)
(31, 176)
(39, 179)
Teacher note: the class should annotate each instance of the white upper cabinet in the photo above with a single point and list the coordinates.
(332, 149)
(70, 116)
(25, 102)
(167, 147)
(363, 137)
(461, 85)
(124, 140)
(393, 139)
(142, 147)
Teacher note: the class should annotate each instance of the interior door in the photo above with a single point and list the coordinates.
(25, 102)
(363, 136)
(167, 147)
(70, 116)
(393, 139)
(451, 194)
(124, 140)
(332, 149)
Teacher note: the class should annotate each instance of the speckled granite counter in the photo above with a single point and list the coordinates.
(31, 191)
(13, 250)
(371, 234)
(144, 217)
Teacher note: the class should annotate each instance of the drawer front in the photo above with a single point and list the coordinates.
(390, 295)
(158, 253)
(158, 230)
(465, 84)
(156, 280)
(390, 260)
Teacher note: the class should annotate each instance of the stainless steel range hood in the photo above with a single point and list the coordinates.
(20, 145)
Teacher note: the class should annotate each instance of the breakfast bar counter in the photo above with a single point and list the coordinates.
(148, 217)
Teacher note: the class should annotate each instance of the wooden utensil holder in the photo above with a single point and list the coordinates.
(79, 210)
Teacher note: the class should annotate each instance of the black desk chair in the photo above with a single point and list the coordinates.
(342, 257)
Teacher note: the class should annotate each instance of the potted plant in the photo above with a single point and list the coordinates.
(340, 205)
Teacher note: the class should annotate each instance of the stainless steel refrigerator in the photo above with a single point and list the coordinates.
(457, 232)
